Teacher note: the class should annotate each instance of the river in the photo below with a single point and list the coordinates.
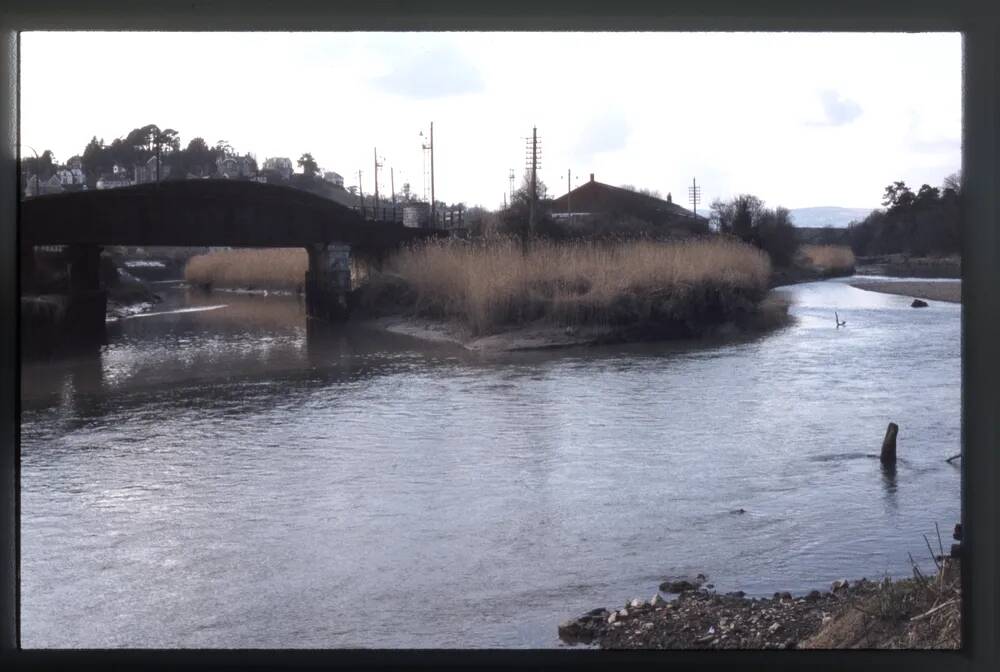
(218, 477)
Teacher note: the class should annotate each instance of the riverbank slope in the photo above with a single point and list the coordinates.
(921, 612)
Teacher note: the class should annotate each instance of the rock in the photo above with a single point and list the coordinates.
(680, 585)
(738, 511)
(791, 644)
(600, 611)
(774, 627)
(613, 618)
(786, 596)
(813, 596)
(839, 585)
(636, 603)
(622, 613)
(647, 626)
(657, 601)
(917, 303)
(737, 594)
(570, 629)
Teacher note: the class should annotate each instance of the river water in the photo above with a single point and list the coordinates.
(218, 477)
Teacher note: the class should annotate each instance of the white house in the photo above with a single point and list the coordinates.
(50, 186)
(147, 172)
(280, 164)
(71, 176)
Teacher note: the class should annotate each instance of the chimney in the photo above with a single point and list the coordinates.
(591, 177)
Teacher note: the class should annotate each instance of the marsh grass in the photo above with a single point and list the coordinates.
(828, 258)
(278, 268)
(491, 284)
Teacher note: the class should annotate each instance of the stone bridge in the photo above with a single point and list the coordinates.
(212, 213)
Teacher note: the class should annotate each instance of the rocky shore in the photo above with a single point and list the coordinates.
(922, 612)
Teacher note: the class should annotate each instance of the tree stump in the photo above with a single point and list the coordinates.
(888, 455)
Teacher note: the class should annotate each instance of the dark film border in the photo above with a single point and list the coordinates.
(980, 24)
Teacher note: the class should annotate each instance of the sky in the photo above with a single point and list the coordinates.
(799, 120)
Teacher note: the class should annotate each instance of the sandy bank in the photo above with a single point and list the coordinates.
(542, 335)
(932, 291)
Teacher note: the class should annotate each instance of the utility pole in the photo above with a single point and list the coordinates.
(569, 191)
(377, 166)
(505, 200)
(361, 196)
(511, 178)
(533, 168)
(430, 146)
(694, 195)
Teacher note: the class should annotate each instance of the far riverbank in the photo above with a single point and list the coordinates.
(944, 290)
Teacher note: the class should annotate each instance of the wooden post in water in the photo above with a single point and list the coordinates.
(889, 444)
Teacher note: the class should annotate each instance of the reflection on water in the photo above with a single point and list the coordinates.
(230, 477)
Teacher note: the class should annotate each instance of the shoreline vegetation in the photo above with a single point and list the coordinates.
(498, 294)
(493, 294)
(922, 612)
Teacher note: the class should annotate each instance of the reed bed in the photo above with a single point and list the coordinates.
(277, 268)
(490, 284)
(829, 258)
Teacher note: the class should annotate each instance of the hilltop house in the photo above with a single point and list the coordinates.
(280, 166)
(33, 187)
(69, 177)
(152, 170)
(595, 199)
(336, 179)
(234, 167)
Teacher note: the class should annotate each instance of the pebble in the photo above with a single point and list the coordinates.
(774, 627)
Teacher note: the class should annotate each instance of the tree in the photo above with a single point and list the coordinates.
(197, 158)
(42, 166)
(308, 165)
(746, 217)
(96, 161)
(897, 196)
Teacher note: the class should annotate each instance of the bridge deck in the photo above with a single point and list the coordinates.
(204, 213)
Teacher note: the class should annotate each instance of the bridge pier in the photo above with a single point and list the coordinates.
(87, 302)
(328, 281)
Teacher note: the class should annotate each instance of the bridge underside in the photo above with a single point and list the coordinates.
(201, 213)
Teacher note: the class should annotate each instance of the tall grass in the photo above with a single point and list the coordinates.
(280, 268)
(494, 283)
(830, 258)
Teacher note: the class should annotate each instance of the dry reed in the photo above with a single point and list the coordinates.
(833, 258)
(280, 269)
(492, 283)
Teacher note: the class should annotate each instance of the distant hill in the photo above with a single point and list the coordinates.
(821, 216)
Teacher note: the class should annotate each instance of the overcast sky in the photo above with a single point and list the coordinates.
(797, 119)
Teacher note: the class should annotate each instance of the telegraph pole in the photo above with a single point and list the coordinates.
(430, 146)
(511, 178)
(377, 166)
(694, 195)
(361, 196)
(569, 191)
(533, 168)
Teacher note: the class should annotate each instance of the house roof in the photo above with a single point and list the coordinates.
(596, 197)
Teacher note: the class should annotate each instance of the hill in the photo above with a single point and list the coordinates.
(818, 217)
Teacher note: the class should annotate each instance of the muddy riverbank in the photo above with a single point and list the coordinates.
(942, 290)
